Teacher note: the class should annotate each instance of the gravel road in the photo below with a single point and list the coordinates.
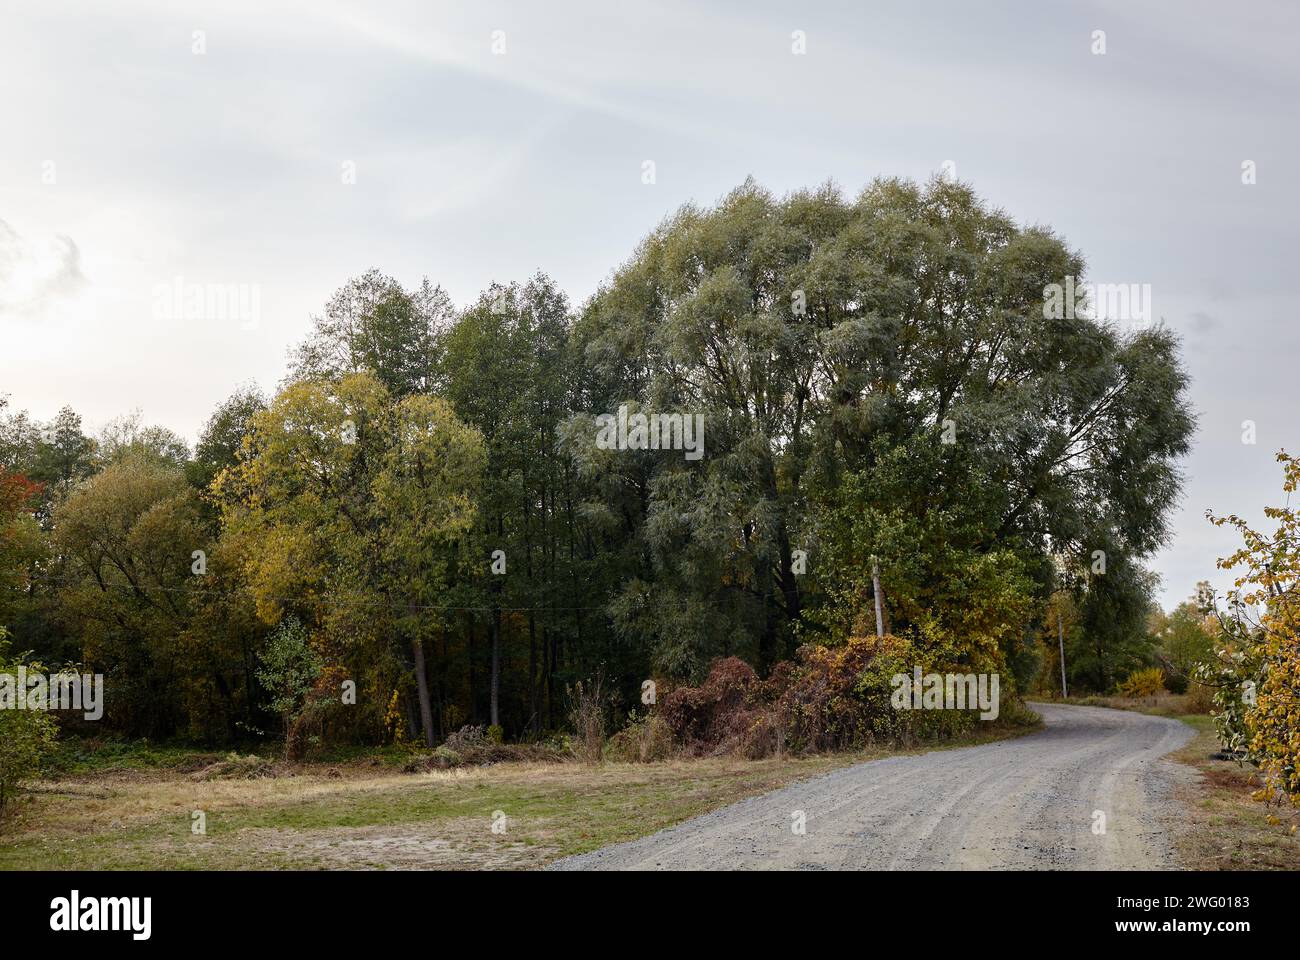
(1028, 803)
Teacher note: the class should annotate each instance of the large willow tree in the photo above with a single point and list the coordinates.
(877, 376)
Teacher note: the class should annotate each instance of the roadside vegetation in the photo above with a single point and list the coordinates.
(1229, 828)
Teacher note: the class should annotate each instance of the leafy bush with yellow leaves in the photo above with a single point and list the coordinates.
(1143, 683)
(1267, 599)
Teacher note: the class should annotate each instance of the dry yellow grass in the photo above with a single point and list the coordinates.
(361, 816)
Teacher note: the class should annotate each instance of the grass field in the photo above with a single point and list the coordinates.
(132, 807)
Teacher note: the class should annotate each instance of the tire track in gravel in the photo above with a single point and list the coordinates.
(1027, 803)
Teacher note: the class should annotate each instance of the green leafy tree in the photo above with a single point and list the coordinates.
(27, 737)
(958, 599)
(290, 671)
(129, 437)
(223, 435)
(128, 536)
(56, 455)
(23, 545)
(373, 324)
(18, 437)
(508, 373)
(1112, 641)
(1185, 640)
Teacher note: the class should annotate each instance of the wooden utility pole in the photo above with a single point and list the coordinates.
(875, 583)
(1060, 636)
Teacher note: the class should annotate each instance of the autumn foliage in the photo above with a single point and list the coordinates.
(829, 698)
(1269, 580)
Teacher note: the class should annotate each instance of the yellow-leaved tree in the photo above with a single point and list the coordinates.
(356, 505)
(1269, 580)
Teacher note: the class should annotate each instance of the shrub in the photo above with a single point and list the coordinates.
(27, 737)
(395, 722)
(587, 703)
(720, 715)
(466, 738)
(1016, 713)
(443, 758)
(484, 753)
(839, 697)
(1265, 657)
(645, 739)
(1200, 698)
(1276, 717)
(1235, 670)
(1143, 683)
(290, 672)
(235, 767)
(832, 698)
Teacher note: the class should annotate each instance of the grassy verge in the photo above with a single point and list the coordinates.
(1226, 828)
(119, 811)
(1162, 705)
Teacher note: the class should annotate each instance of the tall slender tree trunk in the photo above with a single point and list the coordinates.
(495, 709)
(494, 696)
(532, 672)
(440, 694)
(543, 681)
(767, 653)
(422, 688)
(785, 578)
(470, 631)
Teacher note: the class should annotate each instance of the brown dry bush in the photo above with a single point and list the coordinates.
(831, 698)
(484, 754)
(725, 714)
(587, 706)
(1200, 698)
(466, 737)
(235, 767)
(645, 739)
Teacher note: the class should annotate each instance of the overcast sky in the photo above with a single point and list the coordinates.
(130, 162)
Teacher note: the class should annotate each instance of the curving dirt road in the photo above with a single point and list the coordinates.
(1030, 803)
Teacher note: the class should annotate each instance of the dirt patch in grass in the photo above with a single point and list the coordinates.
(449, 844)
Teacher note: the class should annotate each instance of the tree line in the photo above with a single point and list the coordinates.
(420, 516)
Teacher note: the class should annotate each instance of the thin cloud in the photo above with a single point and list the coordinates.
(33, 275)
